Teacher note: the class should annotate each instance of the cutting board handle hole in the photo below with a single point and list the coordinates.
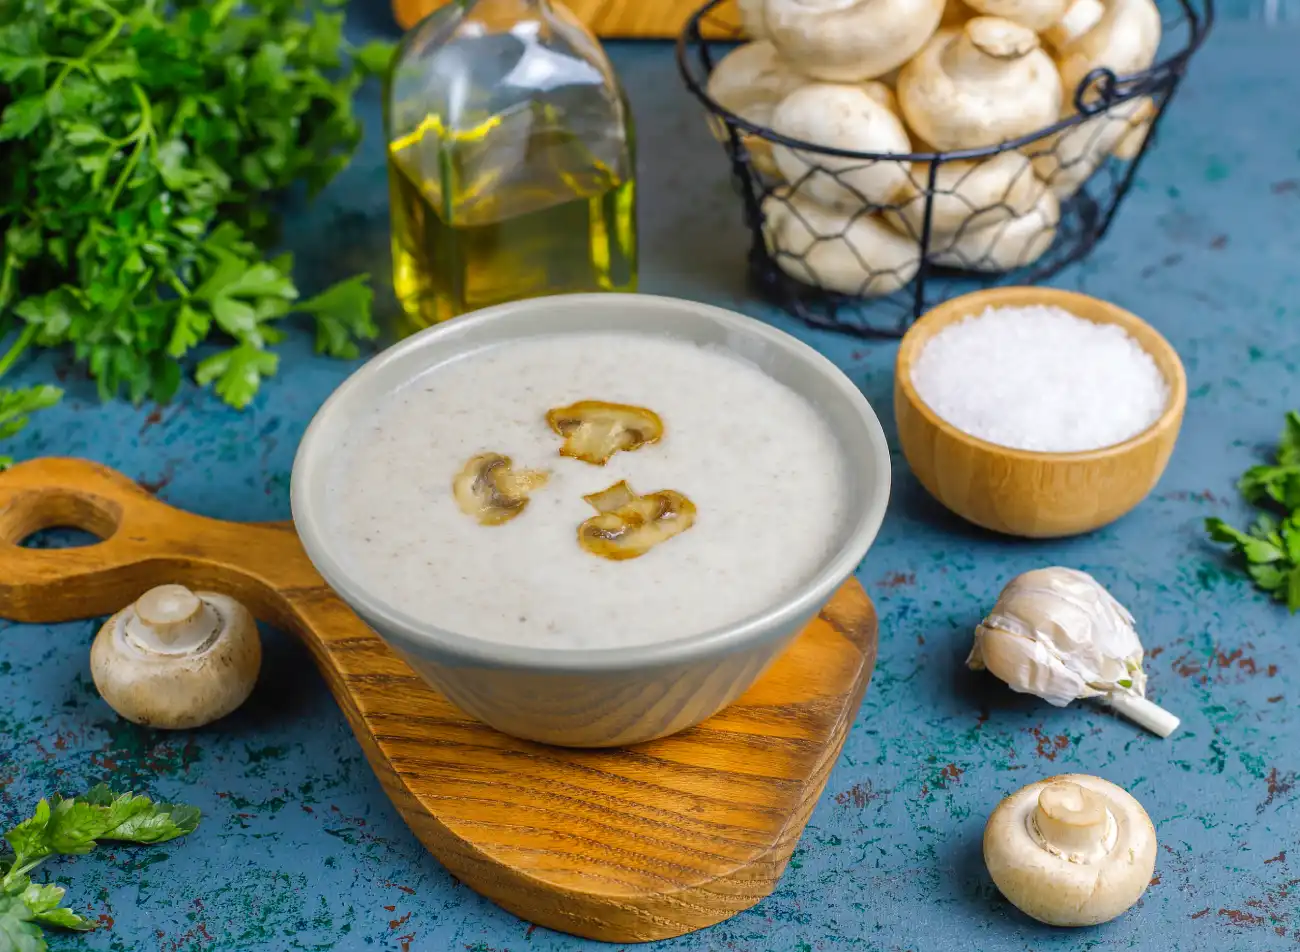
(27, 516)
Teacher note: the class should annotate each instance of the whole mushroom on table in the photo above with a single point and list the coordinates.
(895, 77)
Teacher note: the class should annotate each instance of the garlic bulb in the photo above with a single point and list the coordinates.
(1058, 634)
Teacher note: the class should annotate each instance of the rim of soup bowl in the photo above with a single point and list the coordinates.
(422, 638)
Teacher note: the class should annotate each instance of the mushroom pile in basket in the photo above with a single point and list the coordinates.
(889, 97)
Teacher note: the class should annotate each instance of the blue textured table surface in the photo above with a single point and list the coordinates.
(299, 849)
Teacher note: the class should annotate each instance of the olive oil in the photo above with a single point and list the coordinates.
(511, 161)
(462, 246)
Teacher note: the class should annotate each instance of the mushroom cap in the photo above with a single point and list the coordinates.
(1036, 15)
(749, 81)
(841, 117)
(979, 85)
(166, 689)
(1125, 41)
(967, 195)
(1006, 245)
(753, 18)
(1067, 159)
(1073, 883)
(850, 40)
(1136, 130)
(850, 252)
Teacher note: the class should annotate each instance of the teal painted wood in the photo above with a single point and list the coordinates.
(299, 849)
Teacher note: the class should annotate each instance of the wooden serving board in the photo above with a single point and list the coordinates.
(625, 19)
(625, 845)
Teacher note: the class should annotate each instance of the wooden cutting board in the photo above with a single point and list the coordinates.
(625, 845)
(642, 19)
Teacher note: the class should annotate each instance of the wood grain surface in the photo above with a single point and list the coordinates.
(640, 19)
(625, 845)
(1023, 493)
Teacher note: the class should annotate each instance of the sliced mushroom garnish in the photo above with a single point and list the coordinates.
(490, 490)
(594, 431)
(615, 497)
(636, 524)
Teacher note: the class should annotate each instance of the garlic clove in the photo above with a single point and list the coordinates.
(1058, 634)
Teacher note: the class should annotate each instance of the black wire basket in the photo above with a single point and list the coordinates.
(1085, 164)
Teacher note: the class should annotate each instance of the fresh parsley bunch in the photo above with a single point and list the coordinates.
(142, 146)
(71, 827)
(1271, 547)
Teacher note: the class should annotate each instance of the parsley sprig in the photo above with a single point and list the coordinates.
(71, 827)
(143, 145)
(1270, 548)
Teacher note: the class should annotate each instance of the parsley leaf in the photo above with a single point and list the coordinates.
(1270, 548)
(144, 147)
(18, 930)
(72, 826)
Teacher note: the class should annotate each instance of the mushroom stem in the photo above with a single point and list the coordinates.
(1079, 18)
(170, 619)
(984, 45)
(1073, 820)
(1144, 713)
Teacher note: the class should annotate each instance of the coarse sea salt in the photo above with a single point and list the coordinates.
(1040, 378)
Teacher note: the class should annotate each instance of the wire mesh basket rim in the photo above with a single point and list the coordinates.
(1111, 89)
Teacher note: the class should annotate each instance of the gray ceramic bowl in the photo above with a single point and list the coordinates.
(611, 696)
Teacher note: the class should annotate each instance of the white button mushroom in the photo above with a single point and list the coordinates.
(850, 40)
(979, 86)
(850, 252)
(1125, 41)
(1136, 130)
(1080, 17)
(968, 195)
(1058, 634)
(1037, 15)
(1007, 245)
(753, 18)
(1067, 159)
(177, 659)
(749, 81)
(1071, 850)
(841, 117)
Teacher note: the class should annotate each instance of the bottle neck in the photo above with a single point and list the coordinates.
(504, 10)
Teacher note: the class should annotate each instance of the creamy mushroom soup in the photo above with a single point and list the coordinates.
(469, 500)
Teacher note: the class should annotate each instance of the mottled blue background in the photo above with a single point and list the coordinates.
(299, 849)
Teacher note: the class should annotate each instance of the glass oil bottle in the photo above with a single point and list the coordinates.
(511, 161)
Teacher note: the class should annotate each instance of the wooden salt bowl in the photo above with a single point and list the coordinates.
(1020, 492)
(620, 844)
